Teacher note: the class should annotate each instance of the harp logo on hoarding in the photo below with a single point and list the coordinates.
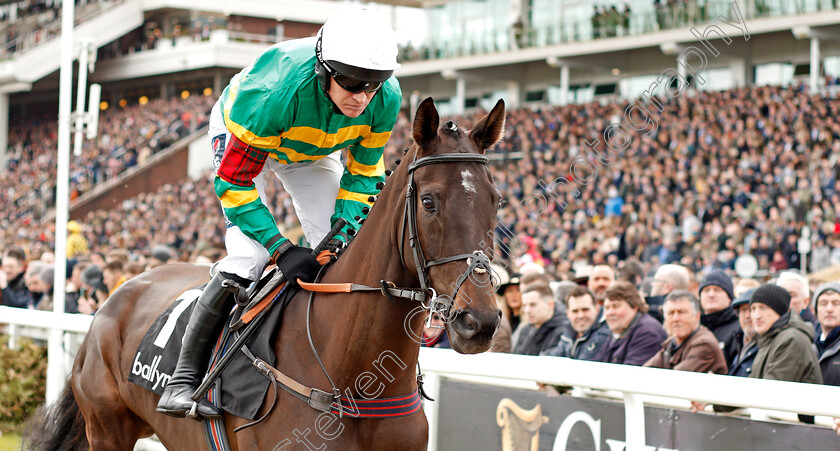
(562, 437)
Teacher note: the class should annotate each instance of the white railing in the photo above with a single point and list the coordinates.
(635, 383)
(37, 324)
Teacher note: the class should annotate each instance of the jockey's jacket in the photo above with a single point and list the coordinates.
(276, 109)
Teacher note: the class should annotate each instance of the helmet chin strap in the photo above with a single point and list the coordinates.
(323, 76)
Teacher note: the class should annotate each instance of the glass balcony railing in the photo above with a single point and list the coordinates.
(36, 26)
(589, 20)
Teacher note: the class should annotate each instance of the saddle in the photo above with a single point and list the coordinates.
(240, 390)
(252, 300)
(231, 382)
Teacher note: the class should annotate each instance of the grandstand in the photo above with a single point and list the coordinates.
(726, 113)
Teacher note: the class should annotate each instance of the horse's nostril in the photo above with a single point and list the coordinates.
(466, 325)
(471, 322)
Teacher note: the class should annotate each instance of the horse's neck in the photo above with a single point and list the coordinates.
(373, 257)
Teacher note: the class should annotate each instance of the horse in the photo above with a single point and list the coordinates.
(440, 202)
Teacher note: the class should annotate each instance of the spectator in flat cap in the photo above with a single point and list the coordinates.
(561, 291)
(716, 293)
(632, 271)
(827, 304)
(742, 364)
(800, 296)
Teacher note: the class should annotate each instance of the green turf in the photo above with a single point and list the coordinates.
(10, 441)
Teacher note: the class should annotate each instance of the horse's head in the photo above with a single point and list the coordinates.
(454, 204)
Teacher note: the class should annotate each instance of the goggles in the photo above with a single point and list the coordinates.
(352, 85)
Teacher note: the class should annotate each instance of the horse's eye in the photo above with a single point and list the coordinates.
(428, 203)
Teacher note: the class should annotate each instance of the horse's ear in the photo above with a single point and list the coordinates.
(426, 122)
(490, 129)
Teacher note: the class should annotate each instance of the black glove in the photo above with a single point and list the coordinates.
(335, 246)
(297, 263)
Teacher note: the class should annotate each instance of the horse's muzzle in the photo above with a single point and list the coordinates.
(474, 329)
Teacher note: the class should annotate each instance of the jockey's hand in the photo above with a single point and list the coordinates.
(335, 246)
(296, 263)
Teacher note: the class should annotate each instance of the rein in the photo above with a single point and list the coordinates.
(477, 262)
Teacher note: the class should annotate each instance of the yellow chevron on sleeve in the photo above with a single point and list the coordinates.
(376, 140)
(367, 170)
(249, 138)
(245, 135)
(323, 140)
(232, 198)
(343, 194)
(293, 156)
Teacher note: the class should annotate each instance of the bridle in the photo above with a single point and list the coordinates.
(477, 261)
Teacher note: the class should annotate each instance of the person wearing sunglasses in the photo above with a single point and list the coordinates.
(291, 113)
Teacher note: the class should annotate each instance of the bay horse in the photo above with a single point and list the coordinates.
(452, 201)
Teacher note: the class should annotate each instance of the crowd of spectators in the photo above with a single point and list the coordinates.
(712, 183)
(771, 339)
(726, 174)
(128, 136)
(635, 269)
(28, 23)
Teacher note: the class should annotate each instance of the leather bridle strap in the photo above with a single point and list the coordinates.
(477, 261)
(410, 215)
(387, 289)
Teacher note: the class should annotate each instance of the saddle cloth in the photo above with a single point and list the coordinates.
(243, 387)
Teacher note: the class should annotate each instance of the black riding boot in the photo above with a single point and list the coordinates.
(210, 312)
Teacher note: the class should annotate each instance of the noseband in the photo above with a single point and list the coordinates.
(477, 261)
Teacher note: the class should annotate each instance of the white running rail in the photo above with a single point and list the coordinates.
(634, 382)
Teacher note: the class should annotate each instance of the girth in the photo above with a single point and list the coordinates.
(477, 262)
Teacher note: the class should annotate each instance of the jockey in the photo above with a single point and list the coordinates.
(291, 112)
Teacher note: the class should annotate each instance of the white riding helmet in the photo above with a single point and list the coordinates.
(357, 48)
